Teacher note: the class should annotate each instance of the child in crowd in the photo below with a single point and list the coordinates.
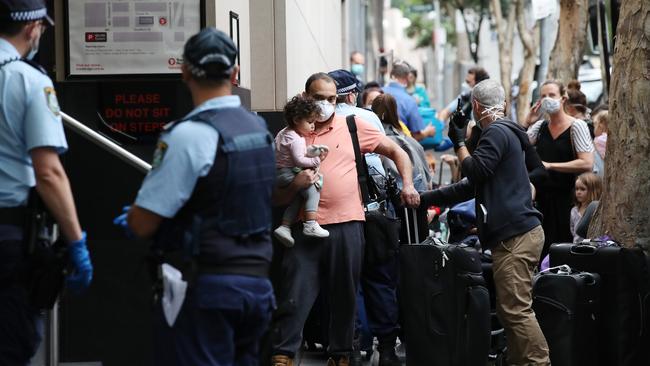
(588, 188)
(292, 156)
(601, 120)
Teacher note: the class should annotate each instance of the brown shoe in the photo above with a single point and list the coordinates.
(281, 360)
(343, 361)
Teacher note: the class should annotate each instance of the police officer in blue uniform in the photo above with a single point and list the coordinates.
(31, 139)
(208, 195)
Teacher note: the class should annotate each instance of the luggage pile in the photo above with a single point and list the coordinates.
(444, 301)
(593, 305)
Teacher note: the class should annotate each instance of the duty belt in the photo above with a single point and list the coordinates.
(13, 215)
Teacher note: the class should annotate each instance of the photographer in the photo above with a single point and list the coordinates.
(474, 76)
(508, 224)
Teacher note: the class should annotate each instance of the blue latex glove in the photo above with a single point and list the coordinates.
(80, 278)
(121, 222)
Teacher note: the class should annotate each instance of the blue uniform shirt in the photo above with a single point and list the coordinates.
(182, 156)
(407, 108)
(372, 159)
(29, 118)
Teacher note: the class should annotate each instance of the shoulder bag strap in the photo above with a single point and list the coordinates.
(362, 169)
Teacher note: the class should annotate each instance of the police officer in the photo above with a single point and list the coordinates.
(31, 139)
(211, 181)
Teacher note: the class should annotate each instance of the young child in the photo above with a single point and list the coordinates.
(588, 188)
(601, 120)
(292, 156)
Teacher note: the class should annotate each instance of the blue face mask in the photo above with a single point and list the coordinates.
(33, 51)
(31, 54)
(357, 69)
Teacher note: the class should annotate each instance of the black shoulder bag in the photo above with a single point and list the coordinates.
(381, 231)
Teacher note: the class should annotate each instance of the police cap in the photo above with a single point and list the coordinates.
(23, 11)
(345, 81)
(210, 54)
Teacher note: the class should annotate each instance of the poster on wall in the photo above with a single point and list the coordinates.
(122, 37)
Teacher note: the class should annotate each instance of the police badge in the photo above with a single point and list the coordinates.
(52, 102)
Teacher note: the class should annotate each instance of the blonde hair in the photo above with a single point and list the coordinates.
(602, 118)
(594, 186)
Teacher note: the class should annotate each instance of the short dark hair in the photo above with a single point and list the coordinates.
(371, 85)
(479, 74)
(11, 29)
(300, 107)
(318, 76)
(366, 93)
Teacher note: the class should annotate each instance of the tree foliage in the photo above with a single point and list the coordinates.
(473, 13)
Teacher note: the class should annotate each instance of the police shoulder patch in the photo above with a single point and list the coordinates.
(159, 154)
(52, 102)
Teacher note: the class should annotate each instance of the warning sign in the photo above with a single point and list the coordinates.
(139, 112)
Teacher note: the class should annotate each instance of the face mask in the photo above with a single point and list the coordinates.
(550, 105)
(326, 110)
(357, 69)
(32, 52)
(464, 87)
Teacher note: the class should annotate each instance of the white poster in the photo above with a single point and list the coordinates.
(118, 37)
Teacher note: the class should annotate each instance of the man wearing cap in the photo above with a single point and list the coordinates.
(407, 107)
(378, 280)
(334, 261)
(347, 90)
(208, 198)
(31, 139)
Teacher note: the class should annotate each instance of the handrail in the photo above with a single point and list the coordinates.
(106, 144)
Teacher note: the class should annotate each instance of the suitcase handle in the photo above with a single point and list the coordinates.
(589, 279)
(583, 250)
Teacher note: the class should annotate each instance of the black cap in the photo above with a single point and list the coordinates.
(346, 82)
(210, 54)
(23, 10)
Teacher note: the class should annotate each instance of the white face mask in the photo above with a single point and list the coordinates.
(550, 105)
(326, 110)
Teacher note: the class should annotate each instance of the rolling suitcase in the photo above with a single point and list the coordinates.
(566, 304)
(623, 332)
(444, 303)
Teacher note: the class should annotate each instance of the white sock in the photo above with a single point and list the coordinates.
(310, 222)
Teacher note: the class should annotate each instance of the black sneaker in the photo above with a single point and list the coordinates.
(388, 357)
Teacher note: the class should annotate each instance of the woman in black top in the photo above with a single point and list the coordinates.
(565, 147)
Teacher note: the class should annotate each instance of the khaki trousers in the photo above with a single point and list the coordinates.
(513, 263)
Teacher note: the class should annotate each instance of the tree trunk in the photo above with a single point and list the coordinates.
(569, 47)
(505, 32)
(530, 40)
(624, 211)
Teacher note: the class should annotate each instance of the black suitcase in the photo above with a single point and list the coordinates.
(623, 332)
(566, 304)
(444, 304)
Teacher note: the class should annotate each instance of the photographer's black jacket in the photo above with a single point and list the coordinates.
(497, 177)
